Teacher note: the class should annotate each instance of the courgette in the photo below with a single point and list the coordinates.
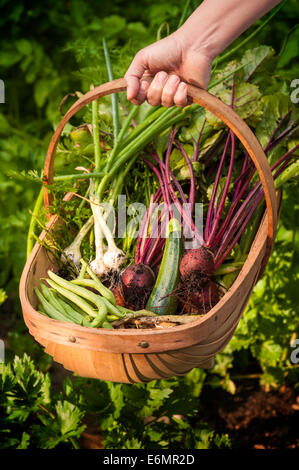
(161, 301)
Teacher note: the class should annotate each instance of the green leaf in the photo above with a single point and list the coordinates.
(137, 29)
(183, 173)
(3, 296)
(7, 382)
(273, 108)
(25, 442)
(68, 418)
(156, 400)
(42, 89)
(24, 46)
(179, 166)
(209, 142)
(117, 397)
(65, 426)
(291, 49)
(4, 124)
(190, 131)
(9, 57)
(113, 25)
(246, 103)
(254, 58)
(270, 352)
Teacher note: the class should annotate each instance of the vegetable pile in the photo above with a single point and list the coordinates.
(174, 163)
(86, 302)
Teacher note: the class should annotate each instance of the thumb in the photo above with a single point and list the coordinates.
(133, 75)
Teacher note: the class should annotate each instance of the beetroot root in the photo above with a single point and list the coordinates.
(197, 260)
(137, 281)
(201, 300)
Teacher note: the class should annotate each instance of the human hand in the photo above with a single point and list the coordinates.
(172, 63)
(187, 54)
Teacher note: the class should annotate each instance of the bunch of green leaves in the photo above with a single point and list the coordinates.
(18, 153)
(30, 417)
(159, 415)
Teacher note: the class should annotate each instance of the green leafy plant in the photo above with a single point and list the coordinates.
(29, 415)
(160, 415)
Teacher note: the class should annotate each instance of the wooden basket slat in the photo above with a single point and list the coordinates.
(147, 367)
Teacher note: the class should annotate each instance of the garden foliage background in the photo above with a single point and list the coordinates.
(47, 50)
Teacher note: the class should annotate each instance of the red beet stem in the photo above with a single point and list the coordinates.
(214, 191)
(225, 192)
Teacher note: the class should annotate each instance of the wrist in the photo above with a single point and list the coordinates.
(192, 43)
(215, 25)
(202, 43)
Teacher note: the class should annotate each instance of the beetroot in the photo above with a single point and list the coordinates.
(201, 300)
(138, 275)
(207, 297)
(197, 260)
(138, 281)
(196, 291)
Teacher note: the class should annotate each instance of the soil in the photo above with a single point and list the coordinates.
(252, 417)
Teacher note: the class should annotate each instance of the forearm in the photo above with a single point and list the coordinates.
(215, 24)
(187, 54)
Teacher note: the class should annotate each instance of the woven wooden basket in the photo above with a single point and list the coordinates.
(143, 355)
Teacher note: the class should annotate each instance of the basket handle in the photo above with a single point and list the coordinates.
(207, 101)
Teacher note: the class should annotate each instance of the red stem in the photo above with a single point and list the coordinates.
(248, 211)
(144, 228)
(185, 217)
(214, 191)
(219, 261)
(225, 192)
(232, 208)
(192, 182)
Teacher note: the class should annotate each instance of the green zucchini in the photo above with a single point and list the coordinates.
(161, 301)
